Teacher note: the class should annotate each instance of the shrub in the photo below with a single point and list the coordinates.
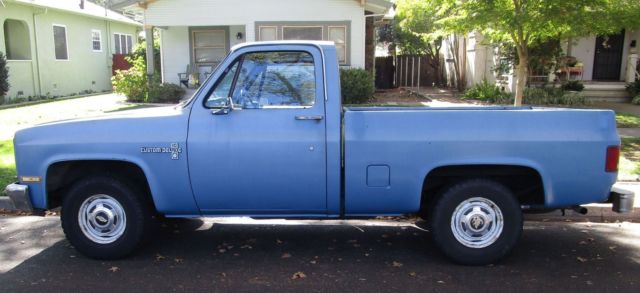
(634, 88)
(165, 93)
(573, 85)
(4, 76)
(636, 100)
(552, 96)
(132, 82)
(356, 86)
(488, 92)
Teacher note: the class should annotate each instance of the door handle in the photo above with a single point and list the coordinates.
(310, 117)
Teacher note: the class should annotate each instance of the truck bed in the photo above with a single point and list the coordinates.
(389, 151)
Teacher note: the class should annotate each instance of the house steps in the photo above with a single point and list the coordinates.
(606, 91)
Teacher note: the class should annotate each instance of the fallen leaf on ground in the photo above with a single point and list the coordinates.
(581, 259)
(397, 264)
(178, 260)
(114, 269)
(159, 257)
(278, 241)
(440, 282)
(613, 248)
(313, 262)
(298, 275)
(413, 274)
(286, 255)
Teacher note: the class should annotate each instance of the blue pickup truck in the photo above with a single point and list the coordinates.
(266, 136)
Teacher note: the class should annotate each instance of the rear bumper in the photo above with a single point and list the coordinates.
(19, 195)
(622, 200)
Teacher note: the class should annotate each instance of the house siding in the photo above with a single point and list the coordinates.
(84, 70)
(175, 18)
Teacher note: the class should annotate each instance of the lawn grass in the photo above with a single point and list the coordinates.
(7, 164)
(630, 157)
(626, 120)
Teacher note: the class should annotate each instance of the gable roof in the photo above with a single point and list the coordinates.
(73, 6)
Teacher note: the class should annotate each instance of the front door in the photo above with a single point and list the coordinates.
(266, 156)
(608, 57)
(209, 48)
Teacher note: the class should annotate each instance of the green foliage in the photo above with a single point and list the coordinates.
(573, 85)
(491, 93)
(553, 96)
(132, 82)
(626, 120)
(4, 77)
(488, 92)
(140, 51)
(7, 164)
(356, 85)
(636, 100)
(165, 93)
(634, 88)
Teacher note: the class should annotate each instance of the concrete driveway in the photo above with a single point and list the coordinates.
(195, 255)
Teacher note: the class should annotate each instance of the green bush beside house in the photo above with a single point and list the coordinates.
(357, 86)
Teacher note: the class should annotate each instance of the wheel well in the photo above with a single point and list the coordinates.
(525, 182)
(62, 175)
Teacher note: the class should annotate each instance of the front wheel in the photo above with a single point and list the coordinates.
(476, 222)
(104, 218)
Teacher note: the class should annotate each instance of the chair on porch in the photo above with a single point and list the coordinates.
(184, 76)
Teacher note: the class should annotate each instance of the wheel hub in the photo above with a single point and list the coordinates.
(102, 219)
(477, 222)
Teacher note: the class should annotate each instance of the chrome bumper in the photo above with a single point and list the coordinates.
(19, 195)
(622, 200)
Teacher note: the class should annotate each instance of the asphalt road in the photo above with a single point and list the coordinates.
(193, 255)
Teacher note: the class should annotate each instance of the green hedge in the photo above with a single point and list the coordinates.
(357, 86)
(165, 93)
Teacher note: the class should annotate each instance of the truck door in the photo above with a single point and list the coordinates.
(256, 141)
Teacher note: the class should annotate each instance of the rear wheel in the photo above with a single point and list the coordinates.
(104, 217)
(476, 222)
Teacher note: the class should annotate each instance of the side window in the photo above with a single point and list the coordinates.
(220, 95)
(275, 80)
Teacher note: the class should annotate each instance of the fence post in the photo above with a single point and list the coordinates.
(406, 70)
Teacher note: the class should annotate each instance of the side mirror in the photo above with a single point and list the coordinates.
(223, 108)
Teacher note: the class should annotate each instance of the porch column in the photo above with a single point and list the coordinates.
(632, 67)
(148, 31)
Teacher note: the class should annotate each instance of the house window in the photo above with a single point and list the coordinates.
(313, 33)
(16, 40)
(123, 43)
(96, 40)
(60, 42)
(336, 31)
(268, 33)
(338, 34)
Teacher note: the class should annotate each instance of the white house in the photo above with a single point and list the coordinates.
(199, 33)
(604, 63)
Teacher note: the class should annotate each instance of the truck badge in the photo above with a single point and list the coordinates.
(174, 149)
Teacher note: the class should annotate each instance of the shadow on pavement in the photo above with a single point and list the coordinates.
(194, 255)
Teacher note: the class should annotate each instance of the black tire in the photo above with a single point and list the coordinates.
(472, 193)
(132, 204)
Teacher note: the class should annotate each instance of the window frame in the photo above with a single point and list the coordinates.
(275, 27)
(66, 41)
(126, 43)
(345, 44)
(240, 60)
(99, 40)
(320, 23)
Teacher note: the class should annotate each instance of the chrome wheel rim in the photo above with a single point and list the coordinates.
(102, 219)
(477, 222)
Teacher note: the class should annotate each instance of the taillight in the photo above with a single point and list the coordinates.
(613, 156)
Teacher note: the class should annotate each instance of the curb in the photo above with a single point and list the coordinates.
(596, 213)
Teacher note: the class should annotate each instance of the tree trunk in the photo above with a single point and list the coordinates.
(521, 76)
